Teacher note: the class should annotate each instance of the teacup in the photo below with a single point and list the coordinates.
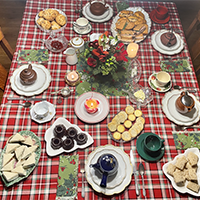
(163, 78)
(153, 144)
(81, 24)
(161, 12)
(41, 110)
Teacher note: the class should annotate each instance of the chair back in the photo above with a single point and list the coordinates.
(3, 77)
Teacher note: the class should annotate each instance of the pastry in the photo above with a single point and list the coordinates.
(139, 14)
(59, 131)
(139, 26)
(45, 24)
(81, 138)
(68, 144)
(56, 143)
(54, 25)
(129, 25)
(121, 23)
(126, 136)
(193, 186)
(61, 20)
(126, 13)
(168, 39)
(49, 14)
(72, 132)
(117, 135)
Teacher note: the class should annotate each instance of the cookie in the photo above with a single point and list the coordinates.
(122, 116)
(128, 124)
(133, 132)
(120, 128)
(117, 135)
(112, 126)
(140, 119)
(61, 20)
(126, 136)
(131, 117)
(138, 113)
(129, 110)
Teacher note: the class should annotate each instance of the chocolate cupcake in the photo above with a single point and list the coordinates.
(56, 143)
(81, 138)
(68, 144)
(72, 132)
(59, 131)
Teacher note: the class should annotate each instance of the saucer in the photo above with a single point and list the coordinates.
(153, 84)
(52, 112)
(159, 21)
(141, 151)
(83, 32)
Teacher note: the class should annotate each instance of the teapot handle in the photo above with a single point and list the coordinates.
(104, 180)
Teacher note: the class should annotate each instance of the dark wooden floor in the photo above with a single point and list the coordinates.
(11, 13)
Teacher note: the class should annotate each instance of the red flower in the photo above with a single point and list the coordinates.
(91, 62)
(121, 56)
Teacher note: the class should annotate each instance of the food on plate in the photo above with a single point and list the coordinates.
(68, 144)
(9, 166)
(19, 151)
(139, 94)
(6, 158)
(51, 19)
(9, 176)
(185, 169)
(126, 124)
(30, 162)
(126, 13)
(28, 141)
(26, 153)
(17, 138)
(20, 170)
(72, 132)
(56, 143)
(11, 147)
(81, 138)
(59, 131)
(168, 39)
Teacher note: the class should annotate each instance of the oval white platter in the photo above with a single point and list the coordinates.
(183, 189)
(49, 135)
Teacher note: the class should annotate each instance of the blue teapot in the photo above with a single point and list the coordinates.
(107, 165)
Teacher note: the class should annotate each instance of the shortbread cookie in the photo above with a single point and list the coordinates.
(112, 126)
(128, 124)
(129, 109)
(193, 186)
(133, 132)
(140, 119)
(131, 117)
(126, 136)
(117, 135)
(192, 158)
(138, 113)
(120, 128)
(122, 116)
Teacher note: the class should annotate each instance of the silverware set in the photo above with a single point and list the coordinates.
(82, 170)
(77, 11)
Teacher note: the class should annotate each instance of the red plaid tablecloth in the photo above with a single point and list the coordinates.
(42, 183)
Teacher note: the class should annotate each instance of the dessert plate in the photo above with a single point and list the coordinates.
(82, 32)
(102, 18)
(102, 112)
(168, 107)
(183, 189)
(44, 77)
(51, 114)
(49, 135)
(112, 181)
(128, 175)
(153, 84)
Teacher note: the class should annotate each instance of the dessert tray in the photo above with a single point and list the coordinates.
(42, 82)
(49, 135)
(30, 169)
(102, 112)
(116, 183)
(157, 44)
(101, 18)
(168, 107)
(134, 9)
(183, 189)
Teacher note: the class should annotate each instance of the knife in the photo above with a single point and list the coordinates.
(25, 99)
(81, 14)
(134, 172)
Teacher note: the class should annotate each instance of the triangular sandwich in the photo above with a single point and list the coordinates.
(19, 151)
(20, 162)
(11, 147)
(17, 138)
(33, 148)
(9, 176)
(26, 153)
(6, 158)
(30, 161)
(9, 166)
(28, 141)
(20, 170)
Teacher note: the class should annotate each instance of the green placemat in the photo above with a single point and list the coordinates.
(67, 177)
(184, 140)
(32, 55)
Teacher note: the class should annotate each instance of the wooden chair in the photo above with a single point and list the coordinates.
(3, 77)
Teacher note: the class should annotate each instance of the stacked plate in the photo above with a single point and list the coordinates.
(157, 44)
(116, 183)
(94, 18)
(169, 108)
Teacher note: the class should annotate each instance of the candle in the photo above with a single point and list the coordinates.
(72, 78)
(132, 50)
(91, 105)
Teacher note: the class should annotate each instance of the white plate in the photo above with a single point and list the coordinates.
(51, 114)
(126, 181)
(134, 9)
(52, 31)
(183, 189)
(82, 32)
(108, 14)
(49, 135)
(168, 107)
(112, 181)
(102, 112)
(34, 89)
(170, 51)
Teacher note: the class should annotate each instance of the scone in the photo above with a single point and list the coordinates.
(46, 24)
(61, 20)
(47, 14)
(126, 136)
(41, 13)
(40, 20)
(54, 25)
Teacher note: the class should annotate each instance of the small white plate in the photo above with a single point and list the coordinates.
(51, 114)
(82, 32)
(102, 112)
(49, 135)
(183, 189)
(153, 84)
(172, 114)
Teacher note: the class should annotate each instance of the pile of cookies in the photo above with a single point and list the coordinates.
(184, 169)
(131, 26)
(51, 19)
(127, 124)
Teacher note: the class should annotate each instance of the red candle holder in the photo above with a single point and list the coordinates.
(91, 105)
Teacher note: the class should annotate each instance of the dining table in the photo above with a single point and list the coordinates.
(42, 183)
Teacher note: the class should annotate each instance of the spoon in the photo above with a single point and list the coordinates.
(27, 104)
(182, 128)
(177, 87)
(77, 10)
(141, 170)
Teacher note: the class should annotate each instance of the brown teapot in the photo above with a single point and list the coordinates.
(28, 76)
(98, 7)
(184, 103)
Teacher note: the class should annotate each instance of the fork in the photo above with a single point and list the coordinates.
(77, 10)
(82, 170)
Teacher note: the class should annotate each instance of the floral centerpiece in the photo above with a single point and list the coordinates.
(105, 55)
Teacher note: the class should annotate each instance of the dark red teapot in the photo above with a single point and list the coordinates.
(98, 7)
(28, 76)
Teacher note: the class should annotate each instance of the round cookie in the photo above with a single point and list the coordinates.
(140, 119)
(129, 110)
(133, 132)
(122, 116)
(112, 126)
(138, 113)
(128, 124)
(117, 135)
(131, 117)
(120, 128)
(126, 136)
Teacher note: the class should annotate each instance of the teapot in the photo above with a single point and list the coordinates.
(184, 103)
(107, 165)
(98, 7)
(28, 76)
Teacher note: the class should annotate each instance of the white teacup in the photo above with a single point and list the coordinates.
(81, 24)
(163, 78)
(41, 110)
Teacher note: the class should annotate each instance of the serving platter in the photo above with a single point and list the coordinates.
(183, 189)
(29, 170)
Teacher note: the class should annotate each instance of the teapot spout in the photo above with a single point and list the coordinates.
(96, 166)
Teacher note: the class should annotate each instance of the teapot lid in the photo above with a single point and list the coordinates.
(186, 99)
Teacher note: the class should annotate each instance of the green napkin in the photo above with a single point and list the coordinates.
(32, 55)
(181, 65)
(122, 5)
(184, 140)
(67, 177)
